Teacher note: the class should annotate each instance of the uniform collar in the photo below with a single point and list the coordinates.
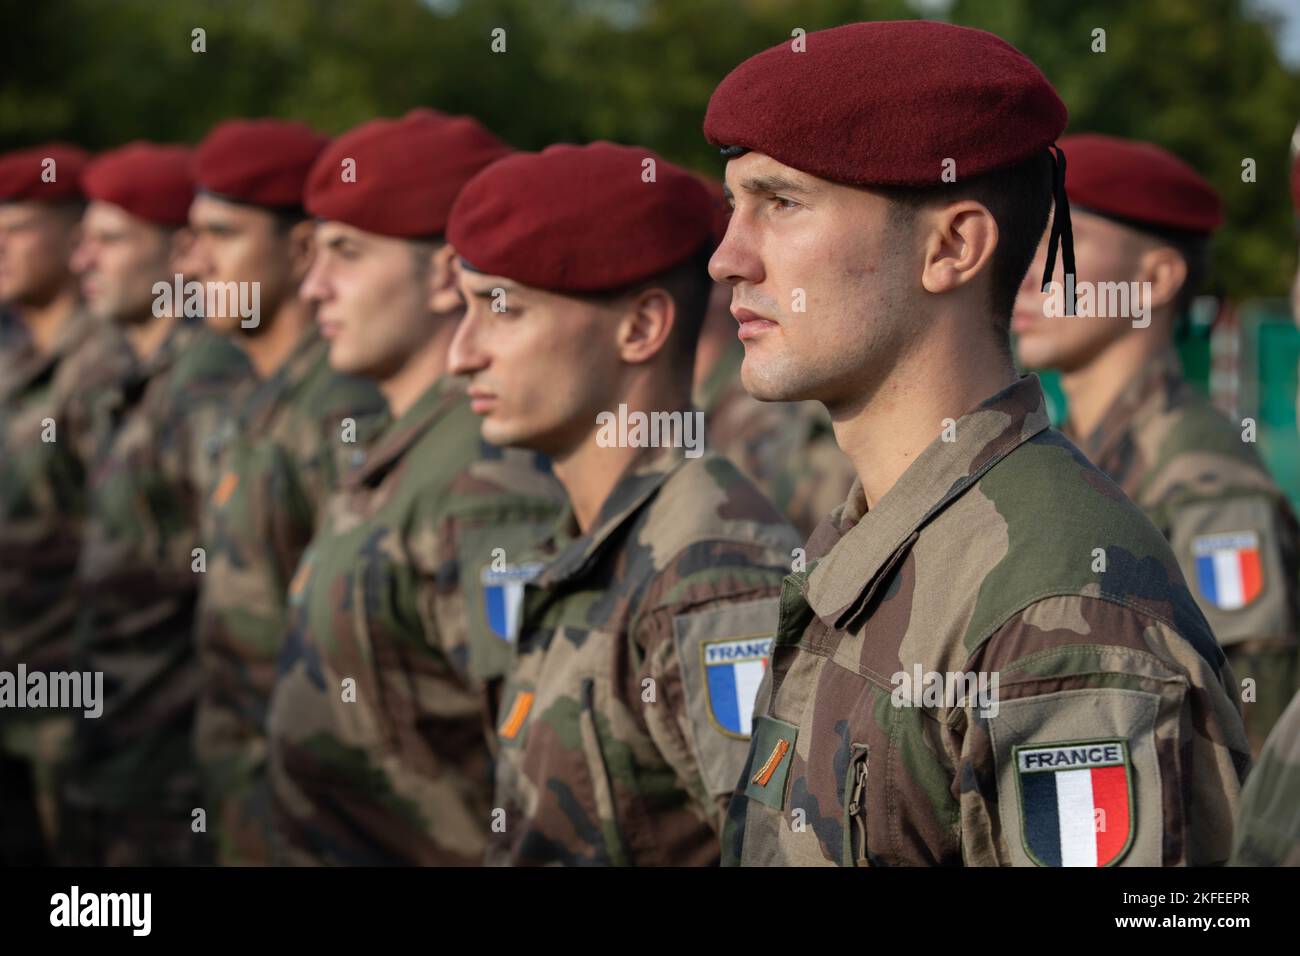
(867, 543)
(308, 353)
(439, 399)
(1150, 392)
(640, 482)
(27, 366)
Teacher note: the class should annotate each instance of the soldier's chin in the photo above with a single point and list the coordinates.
(769, 384)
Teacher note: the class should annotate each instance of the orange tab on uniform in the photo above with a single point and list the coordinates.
(771, 763)
(517, 715)
(225, 488)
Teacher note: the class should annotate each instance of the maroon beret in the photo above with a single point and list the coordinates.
(1140, 182)
(264, 162)
(21, 173)
(580, 218)
(886, 103)
(148, 180)
(408, 172)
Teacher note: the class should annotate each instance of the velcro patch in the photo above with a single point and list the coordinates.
(773, 752)
(724, 654)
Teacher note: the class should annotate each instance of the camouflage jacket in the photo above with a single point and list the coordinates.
(1268, 826)
(999, 663)
(1231, 528)
(378, 724)
(786, 448)
(282, 454)
(626, 717)
(138, 578)
(48, 427)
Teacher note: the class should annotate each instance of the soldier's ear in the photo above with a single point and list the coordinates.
(444, 292)
(646, 324)
(302, 248)
(1166, 270)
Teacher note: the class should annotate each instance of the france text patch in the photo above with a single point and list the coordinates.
(1229, 573)
(733, 669)
(1076, 801)
(503, 597)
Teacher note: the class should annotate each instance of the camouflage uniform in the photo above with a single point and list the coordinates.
(377, 728)
(626, 717)
(786, 448)
(1112, 735)
(1268, 826)
(42, 515)
(1187, 467)
(283, 454)
(132, 783)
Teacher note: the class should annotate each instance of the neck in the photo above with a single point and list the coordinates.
(46, 320)
(945, 377)
(1092, 389)
(589, 471)
(271, 347)
(419, 372)
(147, 337)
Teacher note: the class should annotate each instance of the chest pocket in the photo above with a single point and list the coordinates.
(566, 739)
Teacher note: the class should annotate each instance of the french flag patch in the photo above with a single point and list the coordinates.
(1228, 571)
(1076, 802)
(734, 668)
(503, 597)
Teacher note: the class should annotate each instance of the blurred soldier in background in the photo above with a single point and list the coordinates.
(787, 449)
(283, 451)
(131, 784)
(56, 363)
(646, 629)
(1142, 220)
(1268, 825)
(385, 689)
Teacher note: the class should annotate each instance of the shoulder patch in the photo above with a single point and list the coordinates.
(1076, 801)
(724, 654)
(1231, 555)
(503, 597)
(1228, 572)
(1078, 778)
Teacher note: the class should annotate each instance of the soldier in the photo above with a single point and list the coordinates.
(992, 657)
(1142, 224)
(131, 784)
(377, 724)
(644, 634)
(1268, 826)
(786, 448)
(56, 365)
(285, 449)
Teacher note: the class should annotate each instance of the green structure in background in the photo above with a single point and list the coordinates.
(1270, 355)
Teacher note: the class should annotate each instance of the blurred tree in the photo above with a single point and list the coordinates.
(1198, 76)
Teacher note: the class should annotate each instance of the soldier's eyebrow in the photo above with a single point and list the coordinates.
(489, 292)
(774, 183)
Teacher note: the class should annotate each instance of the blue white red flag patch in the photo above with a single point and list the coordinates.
(1076, 801)
(503, 597)
(733, 670)
(1229, 573)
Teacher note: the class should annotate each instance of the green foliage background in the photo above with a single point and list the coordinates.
(1201, 77)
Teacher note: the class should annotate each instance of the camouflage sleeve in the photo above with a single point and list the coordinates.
(1101, 709)
(1268, 829)
(703, 652)
(1241, 558)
